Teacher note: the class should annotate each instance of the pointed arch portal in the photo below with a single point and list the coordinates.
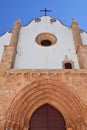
(64, 105)
(47, 118)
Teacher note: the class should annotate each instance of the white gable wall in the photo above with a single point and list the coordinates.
(84, 38)
(30, 55)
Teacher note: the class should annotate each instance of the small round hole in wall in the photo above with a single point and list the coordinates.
(46, 43)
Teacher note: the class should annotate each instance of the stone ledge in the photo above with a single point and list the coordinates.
(45, 71)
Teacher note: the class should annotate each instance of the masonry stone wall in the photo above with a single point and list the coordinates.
(66, 88)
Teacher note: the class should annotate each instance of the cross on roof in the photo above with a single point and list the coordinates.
(45, 11)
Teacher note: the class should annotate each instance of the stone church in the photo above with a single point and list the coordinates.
(43, 76)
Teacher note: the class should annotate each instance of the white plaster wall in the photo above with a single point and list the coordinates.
(4, 40)
(84, 38)
(30, 55)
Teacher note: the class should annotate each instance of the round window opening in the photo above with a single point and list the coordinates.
(46, 43)
(46, 39)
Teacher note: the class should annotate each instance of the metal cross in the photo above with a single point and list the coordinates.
(45, 11)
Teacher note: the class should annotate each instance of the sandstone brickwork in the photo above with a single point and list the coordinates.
(9, 53)
(81, 49)
(23, 91)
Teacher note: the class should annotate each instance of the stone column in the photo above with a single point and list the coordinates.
(7, 58)
(82, 56)
(26, 127)
(12, 126)
(9, 53)
(7, 125)
(76, 34)
(21, 127)
(81, 50)
(15, 33)
(17, 127)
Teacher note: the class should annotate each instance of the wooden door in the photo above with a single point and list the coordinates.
(47, 118)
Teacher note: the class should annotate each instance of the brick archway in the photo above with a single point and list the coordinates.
(47, 91)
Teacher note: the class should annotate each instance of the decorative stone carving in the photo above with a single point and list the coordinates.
(1, 113)
(46, 36)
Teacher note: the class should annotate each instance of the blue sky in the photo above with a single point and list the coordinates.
(26, 10)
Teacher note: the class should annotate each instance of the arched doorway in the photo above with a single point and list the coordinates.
(47, 118)
(46, 91)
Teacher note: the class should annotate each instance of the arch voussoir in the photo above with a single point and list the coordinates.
(45, 92)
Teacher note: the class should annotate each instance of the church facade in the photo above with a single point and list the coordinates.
(43, 76)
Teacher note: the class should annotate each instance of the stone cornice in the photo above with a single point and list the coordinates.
(40, 72)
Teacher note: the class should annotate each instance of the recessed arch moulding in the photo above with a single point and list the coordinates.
(46, 91)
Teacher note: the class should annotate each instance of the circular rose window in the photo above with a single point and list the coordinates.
(46, 39)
